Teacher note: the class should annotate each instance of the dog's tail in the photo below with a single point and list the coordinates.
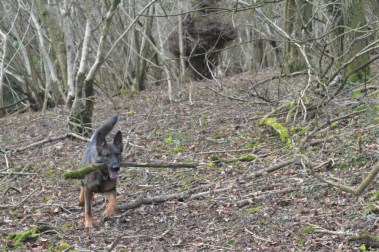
(104, 130)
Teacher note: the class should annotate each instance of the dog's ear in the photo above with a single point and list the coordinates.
(100, 143)
(118, 140)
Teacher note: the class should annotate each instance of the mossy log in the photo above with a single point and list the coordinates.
(82, 171)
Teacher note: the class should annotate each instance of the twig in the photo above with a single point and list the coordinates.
(13, 104)
(224, 151)
(318, 229)
(8, 189)
(270, 169)
(18, 173)
(113, 244)
(276, 77)
(357, 192)
(327, 123)
(22, 201)
(227, 96)
(48, 140)
(257, 237)
(261, 195)
(174, 196)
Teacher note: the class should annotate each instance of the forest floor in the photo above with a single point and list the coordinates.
(228, 205)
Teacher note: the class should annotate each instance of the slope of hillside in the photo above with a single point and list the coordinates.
(225, 203)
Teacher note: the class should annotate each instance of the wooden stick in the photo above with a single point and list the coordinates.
(81, 172)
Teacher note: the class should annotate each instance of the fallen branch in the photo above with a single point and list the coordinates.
(304, 142)
(355, 191)
(48, 140)
(371, 241)
(190, 194)
(81, 172)
(13, 104)
(270, 169)
(262, 195)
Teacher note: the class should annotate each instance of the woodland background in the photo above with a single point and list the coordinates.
(275, 100)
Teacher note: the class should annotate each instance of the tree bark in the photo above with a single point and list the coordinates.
(356, 41)
(297, 16)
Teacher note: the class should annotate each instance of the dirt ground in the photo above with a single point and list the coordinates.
(226, 208)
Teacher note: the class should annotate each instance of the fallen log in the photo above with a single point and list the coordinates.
(82, 171)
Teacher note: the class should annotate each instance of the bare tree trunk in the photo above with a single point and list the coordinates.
(141, 68)
(48, 12)
(182, 56)
(2, 63)
(356, 41)
(69, 42)
(297, 15)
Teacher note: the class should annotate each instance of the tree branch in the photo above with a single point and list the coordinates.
(81, 172)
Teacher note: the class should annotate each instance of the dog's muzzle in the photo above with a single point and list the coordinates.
(116, 167)
(113, 171)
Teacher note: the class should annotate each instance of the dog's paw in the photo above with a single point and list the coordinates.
(88, 225)
(88, 221)
(106, 219)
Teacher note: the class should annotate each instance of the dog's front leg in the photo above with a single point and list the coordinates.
(111, 204)
(81, 196)
(88, 219)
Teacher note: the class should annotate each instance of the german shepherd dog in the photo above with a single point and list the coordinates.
(101, 181)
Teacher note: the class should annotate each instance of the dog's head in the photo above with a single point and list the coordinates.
(110, 154)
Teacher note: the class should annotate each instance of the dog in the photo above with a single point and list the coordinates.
(101, 181)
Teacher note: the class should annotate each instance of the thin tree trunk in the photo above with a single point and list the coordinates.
(2, 63)
(48, 13)
(356, 41)
(69, 42)
(182, 56)
(297, 16)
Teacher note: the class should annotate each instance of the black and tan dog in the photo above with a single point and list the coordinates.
(104, 181)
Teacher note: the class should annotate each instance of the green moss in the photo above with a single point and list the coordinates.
(371, 209)
(245, 158)
(359, 76)
(306, 230)
(47, 197)
(49, 173)
(279, 128)
(301, 131)
(250, 211)
(18, 239)
(232, 242)
(80, 173)
(215, 157)
(67, 225)
(60, 246)
(179, 149)
(360, 107)
(251, 144)
(343, 165)
(254, 209)
(334, 125)
(169, 140)
(366, 239)
(356, 94)
(210, 164)
(375, 197)
(128, 91)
